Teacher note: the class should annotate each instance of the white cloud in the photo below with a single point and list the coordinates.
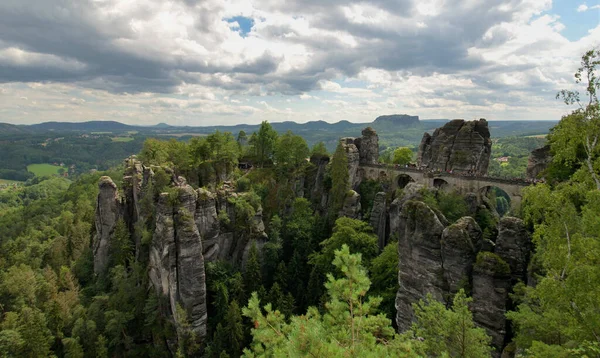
(182, 61)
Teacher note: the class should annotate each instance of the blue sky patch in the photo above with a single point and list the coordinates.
(245, 23)
(577, 23)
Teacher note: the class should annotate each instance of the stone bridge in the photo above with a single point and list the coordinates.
(401, 176)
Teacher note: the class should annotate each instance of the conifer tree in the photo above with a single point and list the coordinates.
(252, 275)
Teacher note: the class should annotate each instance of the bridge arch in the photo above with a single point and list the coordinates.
(402, 180)
(440, 183)
(502, 199)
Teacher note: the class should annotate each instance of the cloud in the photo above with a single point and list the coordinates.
(584, 8)
(188, 60)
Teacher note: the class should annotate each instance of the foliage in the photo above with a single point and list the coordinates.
(348, 328)
(355, 234)
(384, 275)
(563, 308)
(451, 331)
(402, 156)
(263, 143)
(319, 150)
(575, 140)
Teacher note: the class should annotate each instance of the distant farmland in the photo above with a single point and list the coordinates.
(43, 169)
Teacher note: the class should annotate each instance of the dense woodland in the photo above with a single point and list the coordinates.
(321, 287)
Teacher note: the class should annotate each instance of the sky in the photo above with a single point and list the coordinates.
(208, 62)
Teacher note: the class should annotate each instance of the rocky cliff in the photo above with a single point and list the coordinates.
(458, 146)
(439, 259)
(186, 233)
(539, 159)
(362, 150)
(108, 212)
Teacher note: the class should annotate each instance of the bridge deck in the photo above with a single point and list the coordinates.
(435, 174)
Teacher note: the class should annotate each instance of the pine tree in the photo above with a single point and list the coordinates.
(348, 328)
(234, 330)
(252, 275)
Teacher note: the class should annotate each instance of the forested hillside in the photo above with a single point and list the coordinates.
(256, 244)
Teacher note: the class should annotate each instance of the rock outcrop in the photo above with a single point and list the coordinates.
(439, 258)
(363, 150)
(491, 285)
(514, 246)
(368, 146)
(353, 157)
(176, 265)
(315, 186)
(378, 218)
(539, 159)
(108, 212)
(461, 242)
(458, 146)
(208, 225)
(191, 279)
(419, 233)
(351, 207)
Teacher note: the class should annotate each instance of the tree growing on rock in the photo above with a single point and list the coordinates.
(340, 181)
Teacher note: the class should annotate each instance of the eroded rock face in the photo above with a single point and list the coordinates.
(539, 159)
(163, 254)
(176, 266)
(351, 207)
(108, 212)
(458, 146)
(191, 280)
(368, 146)
(491, 285)
(378, 218)
(419, 233)
(315, 182)
(514, 246)
(461, 242)
(207, 222)
(353, 157)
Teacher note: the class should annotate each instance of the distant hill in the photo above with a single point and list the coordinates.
(393, 130)
(398, 119)
(6, 128)
(92, 126)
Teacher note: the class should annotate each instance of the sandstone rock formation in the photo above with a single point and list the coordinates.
(208, 224)
(514, 246)
(378, 218)
(368, 146)
(440, 259)
(315, 182)
(108, 212)
(419, 233)
(176, 266)
(458, 146)
(491, 285)
(460, 243)
(351, 207)
(363, 150)
(539, 159)
(353, 157)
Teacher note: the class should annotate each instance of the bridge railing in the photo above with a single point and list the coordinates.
(437, 174)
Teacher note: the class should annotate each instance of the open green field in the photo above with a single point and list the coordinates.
(536, 136)
(122, 139)
(43, 169)
(6, 181)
